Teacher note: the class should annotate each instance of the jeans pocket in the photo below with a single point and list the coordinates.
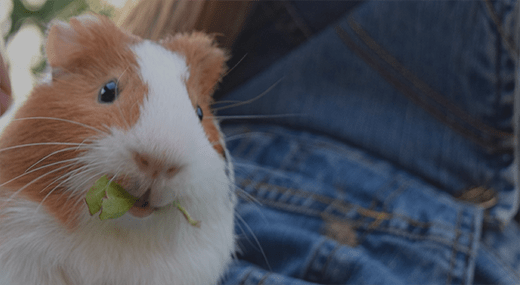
(324, 212)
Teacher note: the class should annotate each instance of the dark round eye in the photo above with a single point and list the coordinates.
(108, 93)
(199, 113)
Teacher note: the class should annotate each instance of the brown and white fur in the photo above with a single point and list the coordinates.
(62, 139)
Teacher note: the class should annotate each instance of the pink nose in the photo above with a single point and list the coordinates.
(154, 167)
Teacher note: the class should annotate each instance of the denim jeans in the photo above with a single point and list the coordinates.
(394, 160)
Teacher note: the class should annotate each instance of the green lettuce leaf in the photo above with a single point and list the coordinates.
(113, 201)
(110, 198)
(96, 194)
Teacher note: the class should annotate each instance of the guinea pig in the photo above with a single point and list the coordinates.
(137, 111)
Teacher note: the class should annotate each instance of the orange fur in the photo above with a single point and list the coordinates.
(207, 65)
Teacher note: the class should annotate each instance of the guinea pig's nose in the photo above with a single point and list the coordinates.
(154, 167)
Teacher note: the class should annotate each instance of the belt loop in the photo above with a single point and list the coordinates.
(516, 111)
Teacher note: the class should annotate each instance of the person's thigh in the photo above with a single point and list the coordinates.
(393, 113)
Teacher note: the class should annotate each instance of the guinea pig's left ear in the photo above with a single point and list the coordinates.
(206, 61)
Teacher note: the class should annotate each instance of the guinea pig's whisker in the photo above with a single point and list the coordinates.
(250, 198)
(51, 154)
(72, 175)
(231, 69)
(121, 75)
(237, 137)
(252, 99)
(255, 238)
(78, 189)
(123, 116)
(37, 144)
(84, 142)
(92, 168)
(81, 145)
(242, 233)
(247, 117)
(67, 174)
(225, 102)
(246, 196)
(56, 187)
(115, 175)
(226, 139)
(241, 136)
(36, 169)
(241, 192)
(234, 66)
(62, 120)
(239, 166)
(31, 182)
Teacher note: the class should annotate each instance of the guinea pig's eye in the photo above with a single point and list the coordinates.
(108, 93)
(199, 113)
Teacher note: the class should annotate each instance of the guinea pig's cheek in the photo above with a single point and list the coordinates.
(213, 134)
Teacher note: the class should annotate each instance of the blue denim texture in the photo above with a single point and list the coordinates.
(395, 111)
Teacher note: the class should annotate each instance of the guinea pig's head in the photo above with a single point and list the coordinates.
(135, 110)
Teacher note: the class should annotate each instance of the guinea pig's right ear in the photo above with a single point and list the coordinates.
(61, 44)
(63, 40)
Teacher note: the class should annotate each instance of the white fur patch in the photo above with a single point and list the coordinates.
(160, 249)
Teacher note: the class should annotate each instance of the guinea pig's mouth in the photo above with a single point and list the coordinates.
(142, 207)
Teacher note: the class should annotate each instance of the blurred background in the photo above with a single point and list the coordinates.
(22, 26)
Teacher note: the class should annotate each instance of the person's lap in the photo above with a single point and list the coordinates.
(393, 111)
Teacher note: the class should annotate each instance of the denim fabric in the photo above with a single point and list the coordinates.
(277, 27)
(395, 114)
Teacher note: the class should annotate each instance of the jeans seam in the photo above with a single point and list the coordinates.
(453, 249)
(343, 206)
(377, 201)
(297, 19)
(409, 92)
(375, 225)
(508, 42)
(331, 207)
(421, 85)
(470, 253)
(405, 234)
(498, 65)
(488, 143)
(395, 231)
(278, 13)
(394, 194)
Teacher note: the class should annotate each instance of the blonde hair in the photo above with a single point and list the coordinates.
(155, 19)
